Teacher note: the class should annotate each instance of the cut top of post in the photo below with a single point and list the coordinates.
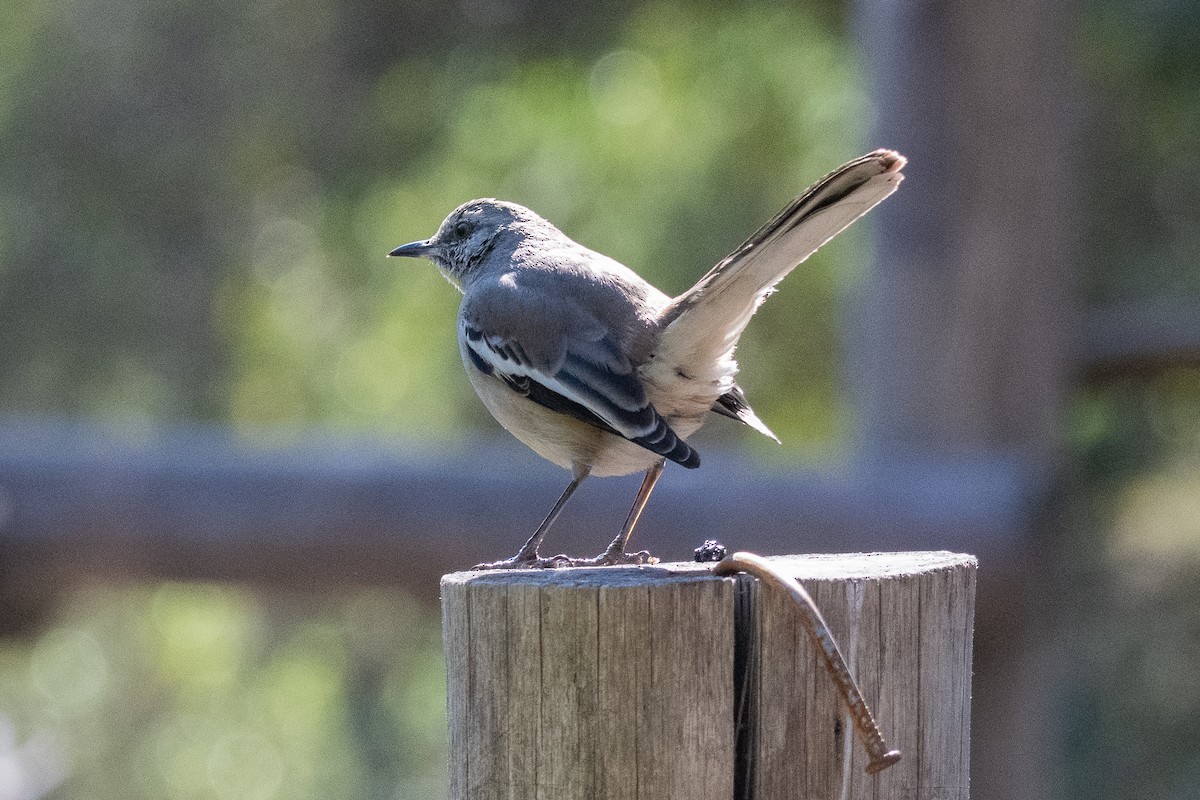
(812, 566)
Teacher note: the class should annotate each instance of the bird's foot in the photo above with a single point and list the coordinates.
(534, 561)
(611, 559)
(522, 561)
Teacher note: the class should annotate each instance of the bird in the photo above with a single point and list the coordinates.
(598, 371)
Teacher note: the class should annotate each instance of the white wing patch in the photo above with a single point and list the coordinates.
(617, 399)
(610, 399)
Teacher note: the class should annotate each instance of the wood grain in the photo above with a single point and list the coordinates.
(573, 684)
(630, 683)
(903, 623)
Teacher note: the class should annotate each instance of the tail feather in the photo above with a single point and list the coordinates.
(704, 323)
(733, 404)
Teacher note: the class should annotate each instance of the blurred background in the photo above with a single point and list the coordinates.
(237, 448)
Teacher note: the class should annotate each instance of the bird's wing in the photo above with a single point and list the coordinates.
(548, 347)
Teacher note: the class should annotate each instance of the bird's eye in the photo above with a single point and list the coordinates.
(462, 229)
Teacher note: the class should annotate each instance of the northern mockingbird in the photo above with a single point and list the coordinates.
(597, 370)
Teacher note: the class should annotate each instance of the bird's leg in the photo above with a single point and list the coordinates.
(615, 553)
(527, 557)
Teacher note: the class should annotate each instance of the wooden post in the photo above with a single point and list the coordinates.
(904, 622)
(670, 682)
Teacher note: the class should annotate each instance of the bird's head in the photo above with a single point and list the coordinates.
(472, 231)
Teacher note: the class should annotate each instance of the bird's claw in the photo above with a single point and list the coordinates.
(520, 561)
(605, 559)
(611, 559)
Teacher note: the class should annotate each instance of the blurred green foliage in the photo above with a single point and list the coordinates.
(197, 197)
(203, 691)
(663, 152)
(195, 203)
(1141, 178)
(1128, 622)
(1126, 618)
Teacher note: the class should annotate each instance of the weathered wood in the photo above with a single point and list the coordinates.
(904, 624)
(590, 684)
(630, 682)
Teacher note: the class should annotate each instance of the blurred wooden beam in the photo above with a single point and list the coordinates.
(1140, 338)
(80, 501)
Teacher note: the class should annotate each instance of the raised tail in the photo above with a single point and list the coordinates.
(704, 323)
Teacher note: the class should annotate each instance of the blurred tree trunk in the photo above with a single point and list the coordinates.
(965, 334)
(968, 324)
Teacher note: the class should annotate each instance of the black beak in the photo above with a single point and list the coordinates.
(413, 249)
